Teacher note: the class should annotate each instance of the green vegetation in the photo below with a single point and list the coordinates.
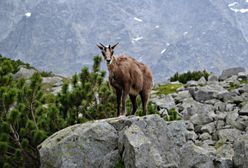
(185, 77)
(167, 88)
(28, 114)
(172, 115)
(220, 143)
(15, 64)
(119, 164)
(244, 82)
(233, 86)
(47, 74)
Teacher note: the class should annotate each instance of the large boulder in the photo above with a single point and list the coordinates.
(230, 72)
(83, 145)
(147, 141)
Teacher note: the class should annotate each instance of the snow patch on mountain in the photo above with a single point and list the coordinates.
(28, 14)
(138, 19)
(136, 39)
(163, 51)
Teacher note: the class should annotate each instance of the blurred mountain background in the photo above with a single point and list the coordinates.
(169, 36)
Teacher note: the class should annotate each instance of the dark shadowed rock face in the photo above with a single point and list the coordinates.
(60, 35)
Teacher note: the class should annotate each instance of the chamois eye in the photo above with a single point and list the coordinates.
(112, 52)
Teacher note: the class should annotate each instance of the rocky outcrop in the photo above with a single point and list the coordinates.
(24, 73)
(231, 72)
(54, 84)
(212, 133)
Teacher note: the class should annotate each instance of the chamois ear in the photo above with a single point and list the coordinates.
(114, 46)
(101, 48)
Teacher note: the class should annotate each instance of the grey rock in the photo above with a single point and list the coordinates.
(24, 73)
(220, 124)
(208, 128)
(53, 81)
(244, 110)
(219, 106)
(241, 153)
(182, 95)
(141, 142)
(212, 78)
(85, 145)
(230, 107)
(191, 136)
(164, 101)
(56, 90)
(235, 121)
(191, 83)
(230, 134)
(227, 97)
(232, 80)
(224, 156)
(243, 89)
(202, 81)
(230, 72)
(207, 92)
(225, 151)
(242, 75)
(223, 163)
(203, 118)
(189, 126)
(205, 136)
(195, 156)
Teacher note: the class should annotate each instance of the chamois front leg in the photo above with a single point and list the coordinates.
(123, 99)
(118, 98)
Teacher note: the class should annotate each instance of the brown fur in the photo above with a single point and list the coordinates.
(129, 77)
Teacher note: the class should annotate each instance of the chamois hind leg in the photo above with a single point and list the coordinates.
(118, 98)
(144, 98)
(134, 104)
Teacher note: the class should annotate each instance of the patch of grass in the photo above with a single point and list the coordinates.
(244, 82)
(219, 143)
(172, 115)
(167, 88)
(233, 86)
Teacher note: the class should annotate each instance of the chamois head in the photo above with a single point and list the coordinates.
(107, 52)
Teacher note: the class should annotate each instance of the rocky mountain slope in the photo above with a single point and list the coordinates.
(213, 131)
(170, 36)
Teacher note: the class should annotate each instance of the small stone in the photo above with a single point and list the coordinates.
(205, 136)
(191, 135)
(212, 78)
(244, 110)
(208, 128)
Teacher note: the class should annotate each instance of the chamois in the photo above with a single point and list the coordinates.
(127, 76)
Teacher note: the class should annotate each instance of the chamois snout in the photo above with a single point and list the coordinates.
(108, 61)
